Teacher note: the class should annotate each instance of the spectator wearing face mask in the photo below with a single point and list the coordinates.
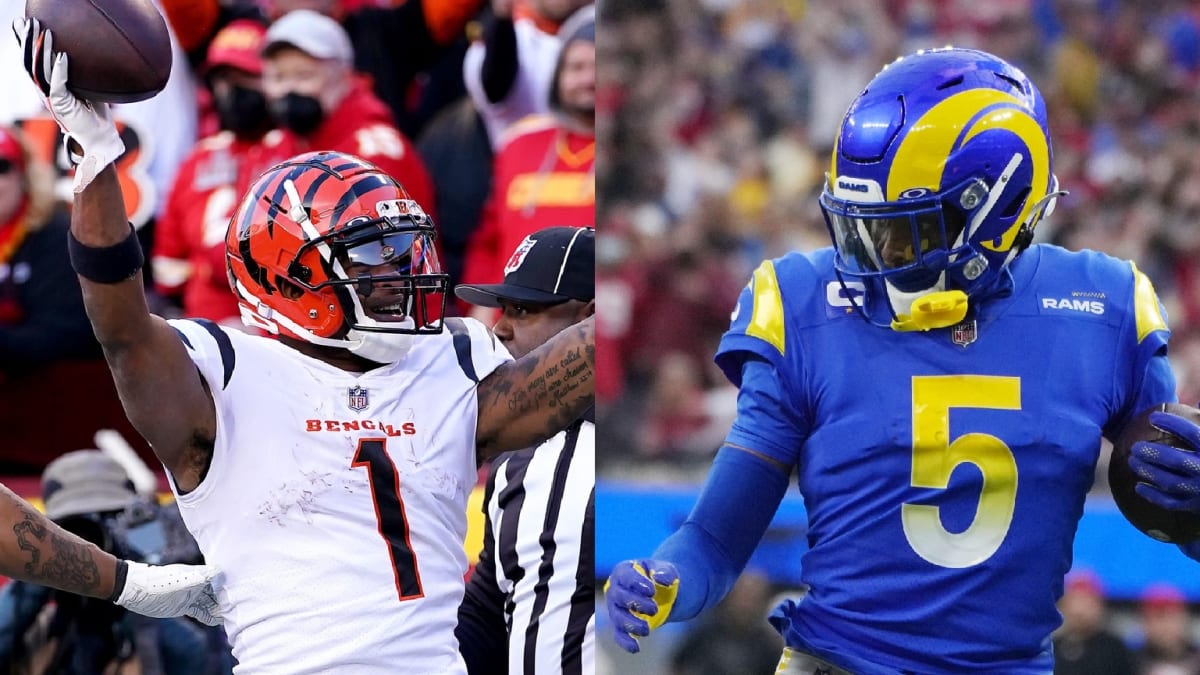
(189, 249)
(412, 50)
(321, 103)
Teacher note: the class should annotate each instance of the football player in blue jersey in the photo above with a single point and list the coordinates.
(939, 384)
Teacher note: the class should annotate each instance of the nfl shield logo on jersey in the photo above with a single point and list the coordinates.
(357, 399)
(964, 333)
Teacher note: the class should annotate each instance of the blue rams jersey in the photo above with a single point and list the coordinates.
(944, 472)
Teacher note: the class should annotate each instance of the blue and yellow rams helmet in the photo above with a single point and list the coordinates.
(941, 170)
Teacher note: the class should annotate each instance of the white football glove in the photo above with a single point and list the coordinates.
(88, 123)
(165, 591)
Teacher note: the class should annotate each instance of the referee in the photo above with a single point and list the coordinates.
(530, 602)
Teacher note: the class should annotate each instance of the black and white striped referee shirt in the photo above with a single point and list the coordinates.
(530, 603)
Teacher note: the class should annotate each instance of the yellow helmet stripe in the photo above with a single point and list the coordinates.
(921, 157)
(831, 177)
(1027, 128)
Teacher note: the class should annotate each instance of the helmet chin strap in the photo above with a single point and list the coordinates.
(377, 347)
(380, 347)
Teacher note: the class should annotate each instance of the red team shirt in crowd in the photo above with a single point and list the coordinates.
(543, 177)
(362, 125)
(189, 244)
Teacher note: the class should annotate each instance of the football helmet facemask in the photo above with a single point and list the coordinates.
(941, 170)
(327, 248)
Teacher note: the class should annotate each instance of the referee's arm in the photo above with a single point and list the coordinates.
(481, 632)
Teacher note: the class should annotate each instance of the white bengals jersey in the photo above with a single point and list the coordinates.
(335, 504)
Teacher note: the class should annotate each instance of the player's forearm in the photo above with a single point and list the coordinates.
(529, 400)
(739, 499)
(98, 217)
(705, 573)
(34, 549)
(118, 311)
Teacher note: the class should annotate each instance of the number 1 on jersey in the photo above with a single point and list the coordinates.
(389, 512)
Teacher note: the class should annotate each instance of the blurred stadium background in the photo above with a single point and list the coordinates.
(716, 119)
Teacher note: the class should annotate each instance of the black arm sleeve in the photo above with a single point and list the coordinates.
(500, 60)
(482, 633)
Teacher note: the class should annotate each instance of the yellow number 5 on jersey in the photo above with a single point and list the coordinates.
(935, 457)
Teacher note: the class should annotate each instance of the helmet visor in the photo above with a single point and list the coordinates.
(872, 243)
(405, 252)
(395, 274)
(909, 244)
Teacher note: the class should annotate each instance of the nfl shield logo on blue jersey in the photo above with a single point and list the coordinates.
(358, 398)
(964, 333)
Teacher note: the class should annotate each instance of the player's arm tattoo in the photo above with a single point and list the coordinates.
(41, 552)
(529, 400)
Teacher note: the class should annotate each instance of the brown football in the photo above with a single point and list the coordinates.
(119, 50)
(1168, 526)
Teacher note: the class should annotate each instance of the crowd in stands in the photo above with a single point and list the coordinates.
(715, 129)
(436, 92)
(1153, 638)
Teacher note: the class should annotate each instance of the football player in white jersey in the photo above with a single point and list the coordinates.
(325, 472)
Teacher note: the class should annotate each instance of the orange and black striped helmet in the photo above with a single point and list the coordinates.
(328, 248)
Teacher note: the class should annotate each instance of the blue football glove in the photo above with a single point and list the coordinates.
(1169, 476)
(639, 595)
